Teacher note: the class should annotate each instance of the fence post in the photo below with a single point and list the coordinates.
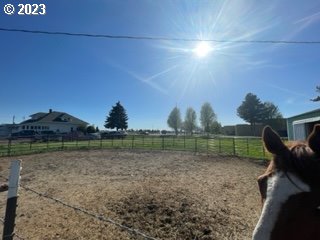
(132, 142)
(219, 145)
(9, 147)
(184, 142)
(208, 146)
(195, 144)
(152, 142)
(100, 142)
(248, 146)
(162, 142)
(62, 144)
(13, 186)
(234, 146)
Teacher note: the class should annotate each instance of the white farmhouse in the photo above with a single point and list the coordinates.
(58, 122)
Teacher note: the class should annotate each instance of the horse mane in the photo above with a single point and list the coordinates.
(299, 160)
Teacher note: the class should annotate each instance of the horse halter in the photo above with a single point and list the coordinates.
(293, 183)
(300, 189)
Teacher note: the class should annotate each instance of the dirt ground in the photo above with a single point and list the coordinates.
(165, 195)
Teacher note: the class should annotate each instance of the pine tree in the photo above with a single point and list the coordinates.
(117, 118)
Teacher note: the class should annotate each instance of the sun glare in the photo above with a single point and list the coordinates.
(202, 49)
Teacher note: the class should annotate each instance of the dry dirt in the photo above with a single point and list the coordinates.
(165, 195)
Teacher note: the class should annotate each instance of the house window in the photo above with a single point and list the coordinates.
(27, 127)
(31, 127)
(23, 127)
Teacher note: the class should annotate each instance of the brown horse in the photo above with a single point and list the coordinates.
(290, 190)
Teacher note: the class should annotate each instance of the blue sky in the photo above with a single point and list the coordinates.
(86, 76)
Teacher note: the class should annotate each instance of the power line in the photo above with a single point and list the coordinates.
(128, 37)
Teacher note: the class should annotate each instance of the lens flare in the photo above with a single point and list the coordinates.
(202, 49)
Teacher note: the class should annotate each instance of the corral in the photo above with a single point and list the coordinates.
(165, 195)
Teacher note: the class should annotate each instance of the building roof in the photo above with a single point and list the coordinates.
(306, 113)
(54, 117)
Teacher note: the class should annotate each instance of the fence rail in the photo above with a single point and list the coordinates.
(236, 146)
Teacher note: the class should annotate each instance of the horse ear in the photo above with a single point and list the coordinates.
(273, 142)
(314, 139)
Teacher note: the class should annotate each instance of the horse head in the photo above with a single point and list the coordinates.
(290, 189)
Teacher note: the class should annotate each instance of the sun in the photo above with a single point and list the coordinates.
(202, 49)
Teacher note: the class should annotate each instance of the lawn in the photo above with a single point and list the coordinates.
(244, 147)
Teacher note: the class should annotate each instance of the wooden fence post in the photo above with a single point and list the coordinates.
(219, 145)
(13, 186)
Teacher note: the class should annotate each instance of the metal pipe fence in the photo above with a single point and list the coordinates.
(251, 147)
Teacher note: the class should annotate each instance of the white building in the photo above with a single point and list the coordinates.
(58, 122)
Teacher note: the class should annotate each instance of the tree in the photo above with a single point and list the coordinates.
(190, 120)
(251, 110)
(317, 99)
(117, 118)
(91, 129)
(174, 120)
(82, 129)
(270, 111)
(215, 127)
(207, 117)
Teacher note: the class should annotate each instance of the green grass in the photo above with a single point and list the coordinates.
(244, 147)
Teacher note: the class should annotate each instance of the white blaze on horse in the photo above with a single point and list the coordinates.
(290, 189)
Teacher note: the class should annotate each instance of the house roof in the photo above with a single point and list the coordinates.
(54, 117)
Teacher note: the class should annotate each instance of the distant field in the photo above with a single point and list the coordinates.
(244, 147)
